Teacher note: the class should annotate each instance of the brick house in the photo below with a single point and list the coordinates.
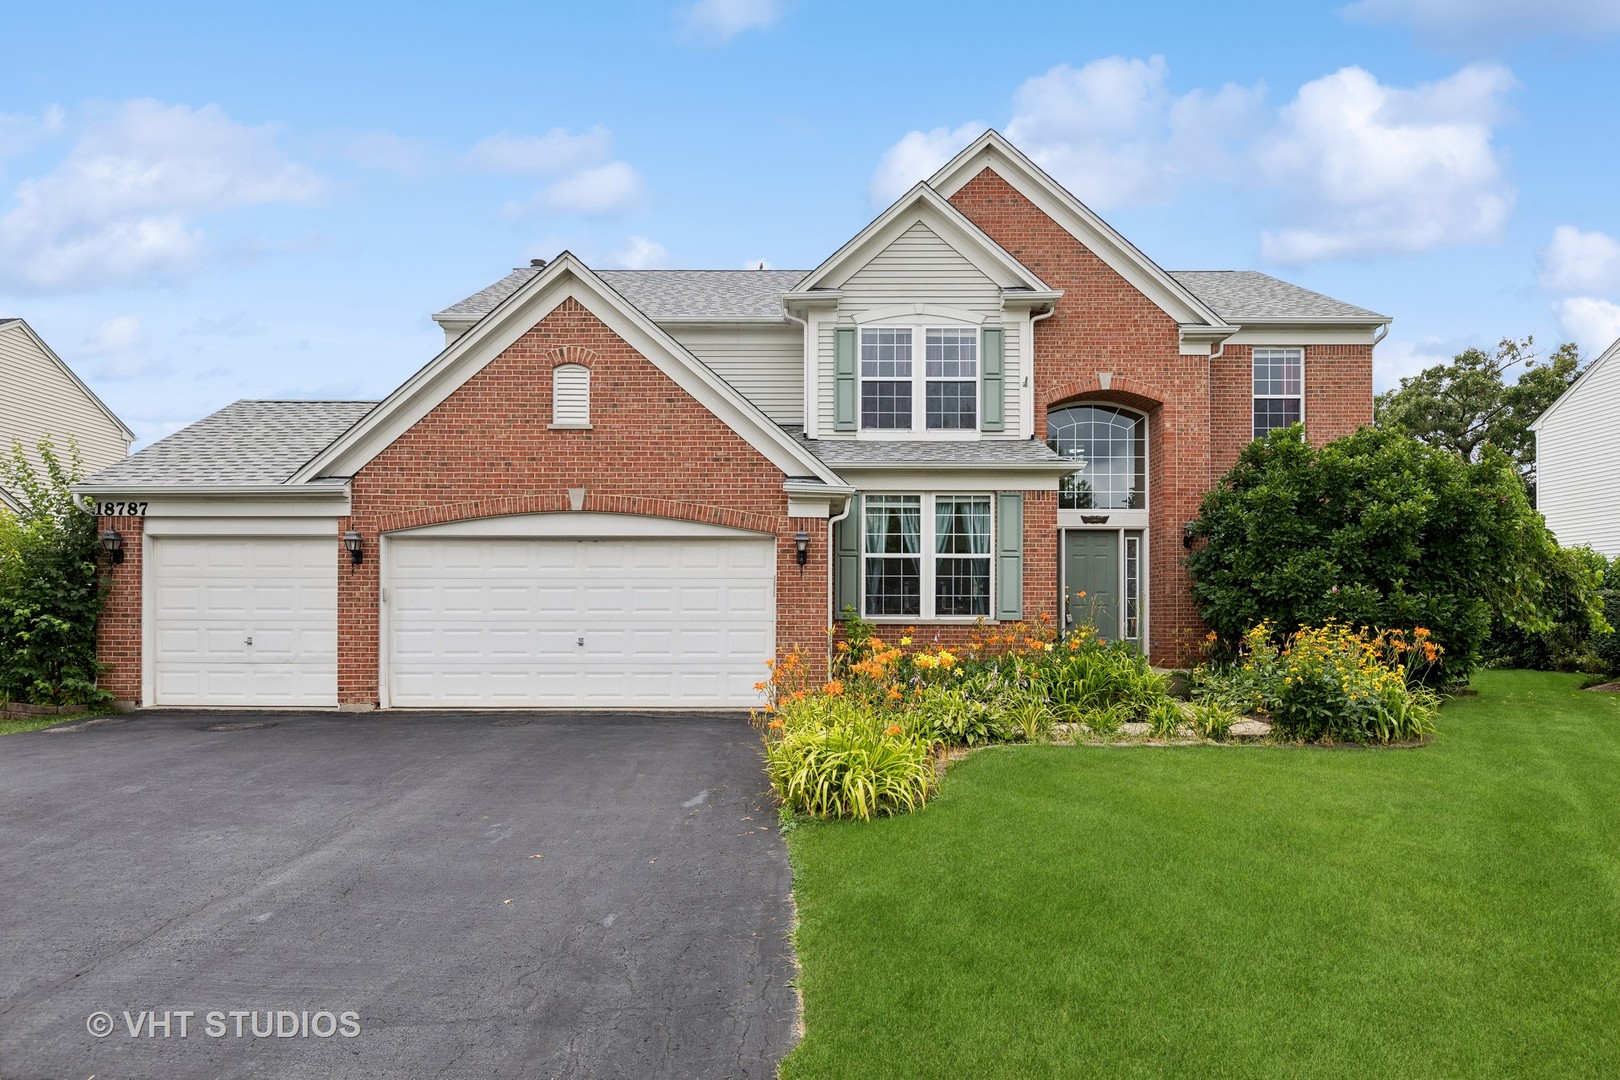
(626, 488)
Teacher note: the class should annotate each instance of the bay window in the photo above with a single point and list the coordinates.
(926, 556)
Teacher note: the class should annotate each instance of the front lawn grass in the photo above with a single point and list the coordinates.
(17, 725)
(1448, 911)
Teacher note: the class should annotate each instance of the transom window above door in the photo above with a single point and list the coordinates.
(1112, 443)
(946, 382)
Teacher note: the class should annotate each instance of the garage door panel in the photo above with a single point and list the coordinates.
(212, 595)
(665, 622)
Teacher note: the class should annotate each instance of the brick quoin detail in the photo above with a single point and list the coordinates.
(1199, 411)
(652, 449)
(118, 631)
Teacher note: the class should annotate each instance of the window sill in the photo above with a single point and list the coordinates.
(942, 620)
(568, 427)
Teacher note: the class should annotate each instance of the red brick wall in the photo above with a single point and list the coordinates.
(118, 633)
(1338, 398)
(1103, 324)
(1196, 427)
(652, 449)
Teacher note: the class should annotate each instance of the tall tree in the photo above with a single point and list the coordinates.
(1470, 403)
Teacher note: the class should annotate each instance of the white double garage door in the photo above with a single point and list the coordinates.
(473, 616)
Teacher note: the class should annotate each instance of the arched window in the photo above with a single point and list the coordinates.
(571, 396)
(1113, 444)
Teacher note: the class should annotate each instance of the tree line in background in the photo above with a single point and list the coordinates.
(1427, 519)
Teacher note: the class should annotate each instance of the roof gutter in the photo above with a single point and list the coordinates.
(312, 491)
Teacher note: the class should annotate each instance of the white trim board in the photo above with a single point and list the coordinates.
(577, 525)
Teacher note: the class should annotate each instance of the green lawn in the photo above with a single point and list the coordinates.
(9, 726)
(1451, 911)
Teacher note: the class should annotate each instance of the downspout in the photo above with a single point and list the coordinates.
(832, 554)
(1051, 309)
(804, 367)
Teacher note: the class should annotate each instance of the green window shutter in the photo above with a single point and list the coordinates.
(844, 386)
(992, 382)
(1010, 556)
(847, 561)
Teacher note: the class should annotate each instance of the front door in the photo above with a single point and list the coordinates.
(1091, 580)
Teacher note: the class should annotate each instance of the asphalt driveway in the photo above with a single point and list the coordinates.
(487, 895)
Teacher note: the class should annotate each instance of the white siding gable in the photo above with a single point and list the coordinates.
(764, 362)
(39, 398)
(1578, 459)
(919, 271)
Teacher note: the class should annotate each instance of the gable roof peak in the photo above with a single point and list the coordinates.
(995, 152)
(923, 202)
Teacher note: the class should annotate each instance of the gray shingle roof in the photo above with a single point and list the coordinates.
(249, 442)
(855, 453)
(1239, 295)
(1235, 295)
(667, 294)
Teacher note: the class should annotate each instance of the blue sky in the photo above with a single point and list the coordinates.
(199, 204)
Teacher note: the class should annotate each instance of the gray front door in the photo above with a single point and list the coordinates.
(1091, 580)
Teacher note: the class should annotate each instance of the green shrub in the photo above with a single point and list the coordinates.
(1213, 720)
(1579, 635)
(1373, 529)
(1025, 716)
(50, 596)
(830, 757)
(1165, 720)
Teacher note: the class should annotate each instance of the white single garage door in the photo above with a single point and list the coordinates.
(245, 621)
(653, 622)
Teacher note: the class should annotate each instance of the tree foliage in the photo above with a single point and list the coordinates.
(1469, 404)
(1375, 529)
(50, 596)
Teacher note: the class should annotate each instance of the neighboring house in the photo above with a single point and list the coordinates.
(1578, 458)
(40, 397)
(625, 488)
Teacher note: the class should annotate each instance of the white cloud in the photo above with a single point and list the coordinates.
(1368, 169)
(1111, 131)
(1465, 22)
(641, 254)
(122, 206)
(1398, 359)
(596, 192)
(556, 152)
(117, 335)
(1114, 134)
(917, 156)
(1580, 262)
(718, 21)
(1592, 323)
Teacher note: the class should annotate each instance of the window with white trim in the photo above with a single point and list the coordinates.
(1279, 389)
(571, 396)
(947, 381)
(1130, 628)
(926, 556)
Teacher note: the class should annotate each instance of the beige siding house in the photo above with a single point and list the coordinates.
(41, 397)
(1578, 459)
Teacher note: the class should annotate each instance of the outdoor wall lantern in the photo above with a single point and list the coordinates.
(1187, 534)
(801, 547)
(357, 554)
(113, 541)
